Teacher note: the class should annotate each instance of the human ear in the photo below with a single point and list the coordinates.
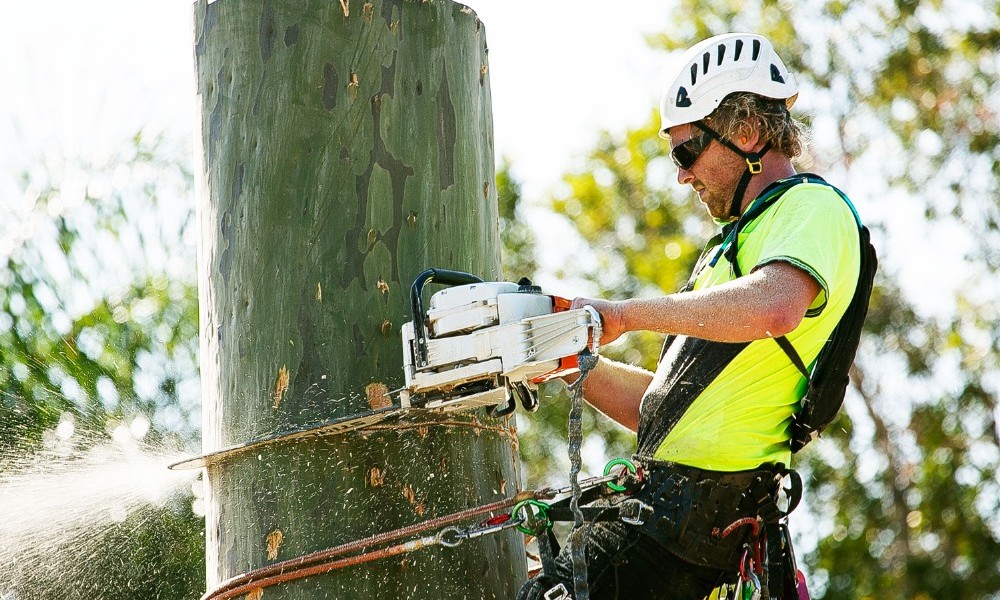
(750, 139)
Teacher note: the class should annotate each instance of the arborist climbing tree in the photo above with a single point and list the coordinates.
(754, 365)
(756, 356)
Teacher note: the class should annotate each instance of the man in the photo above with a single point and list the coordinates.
(713, 421)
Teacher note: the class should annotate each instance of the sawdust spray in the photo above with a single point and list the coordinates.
(59, 503)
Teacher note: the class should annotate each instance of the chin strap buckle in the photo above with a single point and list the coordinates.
(754, 164)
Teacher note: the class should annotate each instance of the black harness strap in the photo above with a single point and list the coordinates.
(793, 355)
(548, 549)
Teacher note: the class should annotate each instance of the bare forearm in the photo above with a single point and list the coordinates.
(767, 303)
(699, 314)
(616, 390)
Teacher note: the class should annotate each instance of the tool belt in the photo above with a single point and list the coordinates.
(692, 509)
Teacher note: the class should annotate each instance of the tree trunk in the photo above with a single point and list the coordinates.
(346, 147)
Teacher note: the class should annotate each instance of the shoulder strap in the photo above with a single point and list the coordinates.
(730, 246)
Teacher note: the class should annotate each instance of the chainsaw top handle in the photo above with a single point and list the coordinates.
(443, 277)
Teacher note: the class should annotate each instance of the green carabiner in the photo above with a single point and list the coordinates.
(614, 463)
(543, 513)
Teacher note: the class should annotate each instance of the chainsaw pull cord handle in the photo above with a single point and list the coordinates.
(443, 277)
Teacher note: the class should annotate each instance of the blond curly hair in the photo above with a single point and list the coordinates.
(740, 113)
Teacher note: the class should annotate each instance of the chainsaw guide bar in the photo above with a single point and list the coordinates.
(328, 428)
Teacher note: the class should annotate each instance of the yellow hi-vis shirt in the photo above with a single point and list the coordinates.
(728, 407)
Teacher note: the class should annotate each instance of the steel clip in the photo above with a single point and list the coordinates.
(506, 523)
(634, 511)
(450, 537)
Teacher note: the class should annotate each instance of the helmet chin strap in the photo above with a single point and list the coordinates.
(754, 166)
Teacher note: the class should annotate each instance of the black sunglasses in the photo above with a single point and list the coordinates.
(686, 154)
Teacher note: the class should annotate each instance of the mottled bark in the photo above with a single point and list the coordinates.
(347, 146)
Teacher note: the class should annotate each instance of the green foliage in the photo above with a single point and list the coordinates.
(157, 553)
(516, 238)
(644, 234)
(622, 203)
(542, 434)
(99, 328)
(172, 540)
(543, 439)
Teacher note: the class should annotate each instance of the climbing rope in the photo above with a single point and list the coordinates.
(319, 562)
(587, 362)
(529, 514)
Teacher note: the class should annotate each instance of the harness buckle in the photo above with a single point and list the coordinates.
(755, 166)
(634, 511)
(559, 592)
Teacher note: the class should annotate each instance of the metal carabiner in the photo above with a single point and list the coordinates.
(493, 525)
(634, 511)
(752, 589)
(452, 536)
(751, 583)
(585, 484)
(442, 537)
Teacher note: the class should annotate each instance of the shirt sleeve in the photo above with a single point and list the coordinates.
(811, 227)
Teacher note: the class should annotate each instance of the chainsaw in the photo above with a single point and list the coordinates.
(480, 344)
(489, 344)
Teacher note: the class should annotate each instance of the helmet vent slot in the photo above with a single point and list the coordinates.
(776, 74)
(756, 49)
(683, 101)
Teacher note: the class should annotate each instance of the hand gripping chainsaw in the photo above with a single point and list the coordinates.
(489, 344)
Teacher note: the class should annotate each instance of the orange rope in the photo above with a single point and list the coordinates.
(299, 573)
(305, 566)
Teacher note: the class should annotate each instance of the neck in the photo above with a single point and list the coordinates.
(774, 166)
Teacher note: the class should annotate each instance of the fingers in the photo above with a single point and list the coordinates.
(610, 319)
(600, 305)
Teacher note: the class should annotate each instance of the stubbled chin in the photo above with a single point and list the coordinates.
(713, 208)
(720, 216)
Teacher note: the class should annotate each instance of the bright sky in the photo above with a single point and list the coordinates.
(562, 70)
(81, 76)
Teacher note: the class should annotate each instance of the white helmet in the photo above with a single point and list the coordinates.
(719, 66)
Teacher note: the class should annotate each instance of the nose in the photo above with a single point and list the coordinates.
(684, 177)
